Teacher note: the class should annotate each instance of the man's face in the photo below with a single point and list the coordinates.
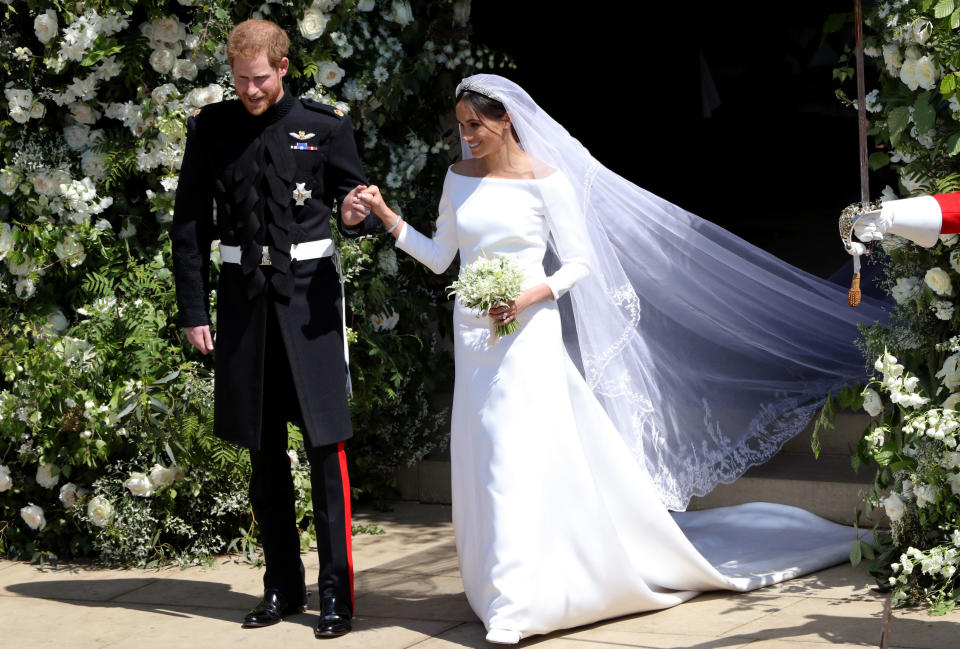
(259, 85)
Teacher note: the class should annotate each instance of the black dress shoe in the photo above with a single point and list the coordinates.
(332, 624)
(272, 608)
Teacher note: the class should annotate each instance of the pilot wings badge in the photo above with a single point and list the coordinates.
(301, 145)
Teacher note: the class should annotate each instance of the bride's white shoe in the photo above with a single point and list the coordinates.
(503, 636)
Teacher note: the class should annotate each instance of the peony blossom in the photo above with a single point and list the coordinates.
(100, 511)
(82, 113)
(161, 476)
(139, 484)
(906, 289)
(925, 73)
(312, 24)
(185, 69)
(894, 507)
(872, 402)
(908, 74)
(48, 476)
(33, 517)
(45, 26)
(68, 495)
(5, 480)
(401, 13)
(162, 60)
(329, 73)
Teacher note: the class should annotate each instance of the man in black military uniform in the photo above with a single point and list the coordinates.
(274, 165)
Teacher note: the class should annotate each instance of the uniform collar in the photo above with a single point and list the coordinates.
(279, 110)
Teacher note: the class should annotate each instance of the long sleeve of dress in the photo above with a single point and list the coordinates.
(568, 233)
(437, 252)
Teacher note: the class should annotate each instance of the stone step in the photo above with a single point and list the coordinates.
(841, 440)
(826, 486)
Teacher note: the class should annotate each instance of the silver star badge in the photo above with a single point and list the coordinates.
(301, 193)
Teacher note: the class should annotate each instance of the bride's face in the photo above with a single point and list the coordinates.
(482, 134)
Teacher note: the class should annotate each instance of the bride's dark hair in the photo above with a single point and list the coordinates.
(485, 107)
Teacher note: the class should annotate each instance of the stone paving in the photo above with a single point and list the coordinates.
(409, 595)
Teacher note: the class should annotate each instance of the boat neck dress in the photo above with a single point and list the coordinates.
(556, 523)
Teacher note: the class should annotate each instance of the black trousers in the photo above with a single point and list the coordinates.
(273, 497)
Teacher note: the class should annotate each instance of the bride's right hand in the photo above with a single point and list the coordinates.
(371, 198)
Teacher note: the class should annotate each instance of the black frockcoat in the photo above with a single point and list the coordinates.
(248, 167)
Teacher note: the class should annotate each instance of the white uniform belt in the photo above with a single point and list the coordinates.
(298, 251)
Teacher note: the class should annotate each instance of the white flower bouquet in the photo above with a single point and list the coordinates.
(489, 282)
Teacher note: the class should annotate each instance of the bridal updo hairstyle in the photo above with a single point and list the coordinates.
(485, 107)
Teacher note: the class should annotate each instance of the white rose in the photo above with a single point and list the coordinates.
(872, 402)
(48, 476)
(892, 58)
(70, 250)
(894, 507)
(161, 93)
(100, 511)
(164, 31)
(949, 240)
(68, 495)
(294, 459)
(185, 69)
(5, 480)
(139, 484)
(366, 5)
(38, 110)
(921, 30)
(312, 24)
(33, 516)
(77, 136)
(200, 97)
(926, 73)
(329, 73)
(162, 60)
(45, 26)
(19, 115)
(24, 288)
(912, 52)
(905, 289)
(401, 13)
(950, 372)
(908, 74)
(939, 281)
(57, 321)
(82, 113)
(93, 164)
(161, 476)
(8, 184)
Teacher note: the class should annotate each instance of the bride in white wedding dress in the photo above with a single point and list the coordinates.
(562, 480)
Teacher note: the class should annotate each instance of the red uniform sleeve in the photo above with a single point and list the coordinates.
(950, 209)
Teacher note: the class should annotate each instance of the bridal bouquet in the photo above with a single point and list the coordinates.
(489, 282)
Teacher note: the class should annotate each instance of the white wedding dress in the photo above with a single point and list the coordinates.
(556, 523)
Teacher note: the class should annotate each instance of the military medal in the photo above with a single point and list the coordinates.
(302, 145)
(301, 193)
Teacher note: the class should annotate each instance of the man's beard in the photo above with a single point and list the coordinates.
(261, 106)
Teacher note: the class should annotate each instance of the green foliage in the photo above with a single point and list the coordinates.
(101, 399)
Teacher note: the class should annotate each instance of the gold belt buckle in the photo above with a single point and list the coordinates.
(265, 256)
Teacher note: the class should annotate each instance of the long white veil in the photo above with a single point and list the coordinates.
(706, 352)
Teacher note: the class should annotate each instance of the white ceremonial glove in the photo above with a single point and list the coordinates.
(917, 219)
(871, 226)
(856, 249)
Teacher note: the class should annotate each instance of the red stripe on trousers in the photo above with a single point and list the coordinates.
(342, 454)
(950, 209)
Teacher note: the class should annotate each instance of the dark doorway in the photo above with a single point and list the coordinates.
(774, 161)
